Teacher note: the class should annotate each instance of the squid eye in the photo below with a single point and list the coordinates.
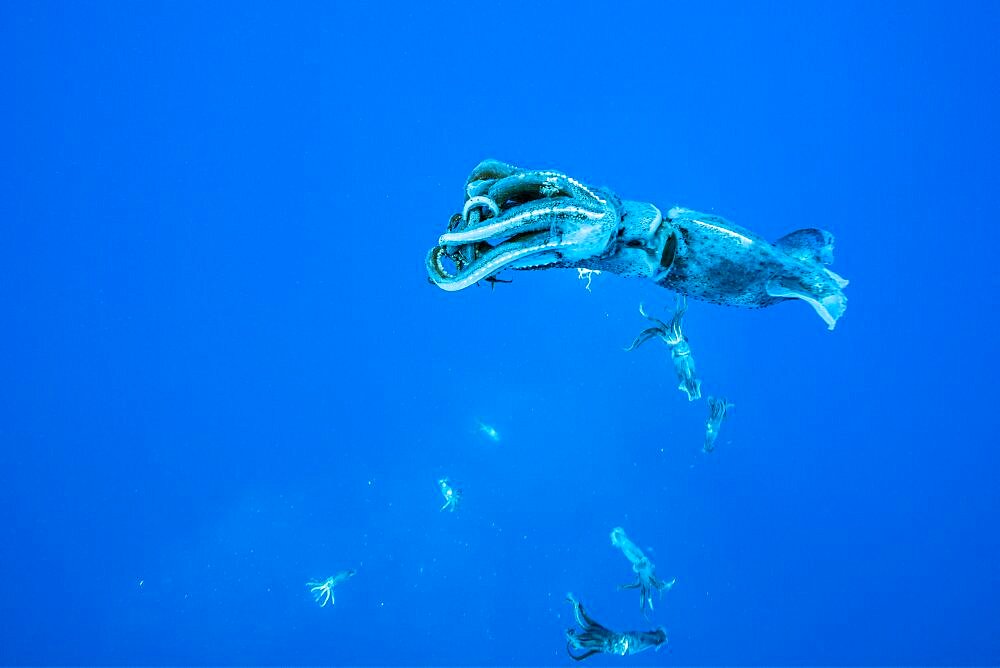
(669, 251)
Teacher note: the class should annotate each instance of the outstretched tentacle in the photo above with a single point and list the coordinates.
(580, 657)
(659, 323)
(645, 335)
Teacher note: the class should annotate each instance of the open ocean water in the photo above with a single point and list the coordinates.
(225, 373)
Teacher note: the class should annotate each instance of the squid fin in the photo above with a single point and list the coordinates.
(808, 244)
(829, 307)
(837, 278)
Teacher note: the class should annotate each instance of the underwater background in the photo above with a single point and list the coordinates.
(225, 373)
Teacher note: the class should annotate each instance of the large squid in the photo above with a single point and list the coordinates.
(595, 638)
(536, 219)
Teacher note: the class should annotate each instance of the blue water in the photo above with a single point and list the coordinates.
(225, 373)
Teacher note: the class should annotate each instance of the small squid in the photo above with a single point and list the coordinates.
(680, 350)
(718, 410)
(452, 495)
(323, 591)
(645, 575)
